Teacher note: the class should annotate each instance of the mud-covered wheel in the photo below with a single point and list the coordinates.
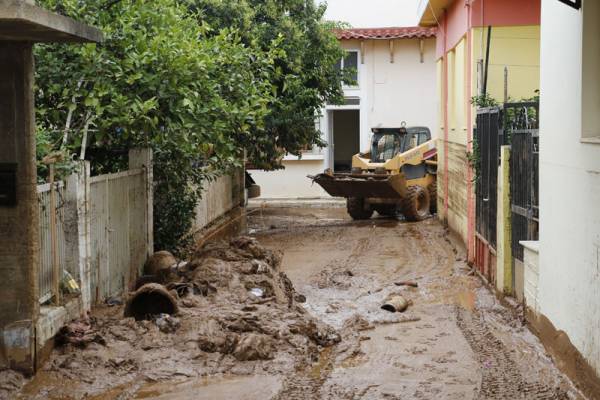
(356, 208)
(416, 204)
(387, 210)
(433, 197)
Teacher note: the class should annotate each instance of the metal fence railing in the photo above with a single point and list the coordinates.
(523, 128)
(489, 136)
(46, 243)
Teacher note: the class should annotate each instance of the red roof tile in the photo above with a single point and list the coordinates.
(410, 32)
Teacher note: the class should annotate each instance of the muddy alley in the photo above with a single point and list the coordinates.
(293, 311)
(456, 341)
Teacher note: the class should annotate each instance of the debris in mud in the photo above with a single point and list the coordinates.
(113, 301)
(253, 346)
(299, 298)
(68, 285)
(10, 382)
(149, 301)
(201, 319)
(358, 323)
(215, 340)
(79, 333)
(144, 280)
(396, 320)
(258, 292)
(407, 283)
(167, 323)
(158, 263)
(396, 303)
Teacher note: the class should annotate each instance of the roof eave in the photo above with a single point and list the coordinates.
(23, 21)
(429, 11)
(390, 38)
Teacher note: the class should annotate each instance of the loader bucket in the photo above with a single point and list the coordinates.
(363, 185)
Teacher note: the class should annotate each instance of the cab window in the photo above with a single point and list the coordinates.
(411, 141)
(387, 147)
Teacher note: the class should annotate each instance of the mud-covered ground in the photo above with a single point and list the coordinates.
(454, 342)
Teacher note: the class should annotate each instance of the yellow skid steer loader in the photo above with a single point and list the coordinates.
(397, 175)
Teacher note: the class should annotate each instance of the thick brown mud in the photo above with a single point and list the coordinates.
(455, 341)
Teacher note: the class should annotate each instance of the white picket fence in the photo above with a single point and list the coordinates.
(219, 196)
(103, 229)
(104, 226)
(119, 230)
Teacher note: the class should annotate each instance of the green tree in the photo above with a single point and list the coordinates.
(199, 82)
(305, 74)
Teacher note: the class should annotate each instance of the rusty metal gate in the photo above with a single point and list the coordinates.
(489, 136)
(522, 125)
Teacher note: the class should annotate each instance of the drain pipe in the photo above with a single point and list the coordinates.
(487, 60)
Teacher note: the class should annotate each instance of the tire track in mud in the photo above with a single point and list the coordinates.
(306, 381)
(501, 378)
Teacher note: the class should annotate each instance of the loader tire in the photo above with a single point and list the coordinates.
(433, 197)
(387, 210)
(356, 208)
(415, 206)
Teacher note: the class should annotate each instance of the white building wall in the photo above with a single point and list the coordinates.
(389, 93)
(404, 90)
(569, 270)
(291, 182)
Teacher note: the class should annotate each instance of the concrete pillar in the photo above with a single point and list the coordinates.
(238, 178)
(142, 158)
(77, 230)
(504, 271)
(19, 220)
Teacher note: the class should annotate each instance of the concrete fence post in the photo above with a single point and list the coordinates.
(78, 231)
(239, 187)
(503, 225)
(142, 158)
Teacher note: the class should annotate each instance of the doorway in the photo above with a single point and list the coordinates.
(345, 138)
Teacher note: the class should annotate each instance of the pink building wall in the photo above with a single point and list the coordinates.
(458, 19)
(505, 12)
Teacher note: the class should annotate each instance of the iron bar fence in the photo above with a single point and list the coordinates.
(523, 129)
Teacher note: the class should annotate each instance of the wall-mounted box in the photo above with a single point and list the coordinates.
(8, 184)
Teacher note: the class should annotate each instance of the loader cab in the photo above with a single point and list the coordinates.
(389, 142)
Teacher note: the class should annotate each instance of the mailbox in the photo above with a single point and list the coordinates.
(8, 184)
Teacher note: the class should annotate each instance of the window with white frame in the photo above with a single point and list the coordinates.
(350, 62)
(312, 149)
(590, 99)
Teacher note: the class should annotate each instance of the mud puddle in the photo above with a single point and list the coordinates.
(236, 387)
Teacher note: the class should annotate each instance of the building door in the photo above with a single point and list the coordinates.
(345, 138)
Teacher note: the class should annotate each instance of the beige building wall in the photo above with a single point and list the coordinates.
(517, 49)
(457, 102)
